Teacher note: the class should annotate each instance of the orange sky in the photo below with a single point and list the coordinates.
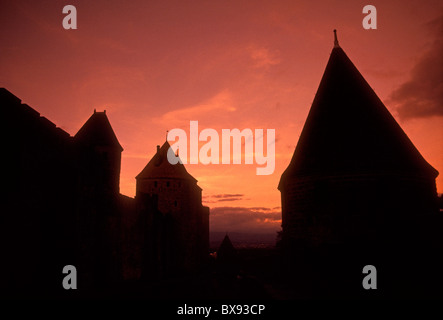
(156, 65)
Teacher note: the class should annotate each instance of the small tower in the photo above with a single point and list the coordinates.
(226, 253)
(177, 225)
(99, 155)
(227, 259)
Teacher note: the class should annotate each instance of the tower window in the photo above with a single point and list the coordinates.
(175, 203)
(167, 183)
(155, 184)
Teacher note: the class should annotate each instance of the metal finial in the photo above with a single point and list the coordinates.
(167, 131)
(336, 45)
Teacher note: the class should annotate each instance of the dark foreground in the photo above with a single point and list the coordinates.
(258, 275)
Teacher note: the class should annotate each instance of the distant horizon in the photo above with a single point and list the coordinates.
(243, 239)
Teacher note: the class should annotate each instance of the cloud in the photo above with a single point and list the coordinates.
(223, 197)
(262, 209)
(263, 57)
(215, 107)
(228, 195)
(229, 199)
(422, 95)
(244, 219)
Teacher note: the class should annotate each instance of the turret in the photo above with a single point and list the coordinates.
(99, 155)
(177, 230)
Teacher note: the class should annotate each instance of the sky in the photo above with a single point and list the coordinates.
(157, 65)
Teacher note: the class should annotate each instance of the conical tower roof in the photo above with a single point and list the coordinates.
(97, 131)
(159, 167)
(226, 251)
(349, 131)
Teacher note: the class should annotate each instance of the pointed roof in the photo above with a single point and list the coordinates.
(97, 130)
(159, 167)
(226, 249)
(349, 130)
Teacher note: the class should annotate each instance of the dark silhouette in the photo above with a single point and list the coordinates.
(226, 253)
(227, 259)
(357, 191)
(176, 236)
(62, 206)
(39, 215)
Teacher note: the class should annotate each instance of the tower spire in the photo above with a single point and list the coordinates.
(336, 45)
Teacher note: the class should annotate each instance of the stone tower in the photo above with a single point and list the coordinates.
(358, 192)
(176, 224)
(99, 155)
(354, 175)
(98, 159)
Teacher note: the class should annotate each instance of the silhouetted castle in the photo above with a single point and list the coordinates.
(62, 206)
(355, 179)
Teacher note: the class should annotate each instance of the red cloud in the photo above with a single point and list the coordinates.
(422, 95)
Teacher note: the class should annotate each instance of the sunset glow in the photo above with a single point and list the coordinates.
(157, 65)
